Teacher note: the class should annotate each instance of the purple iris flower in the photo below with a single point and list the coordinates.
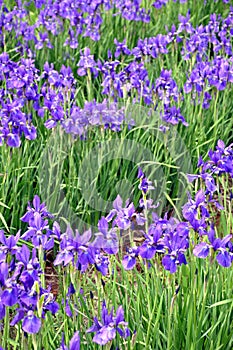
(29, 276)
(129, 260)
(109, 325)
(87, 62)
(123, 216)
(169, 237)
(9, 244)
(224, 256)
(18, 317)
(42, 41)
(145, 184)
(210, 183)
(190, 211)
(173, 116)
(184, 25)
(22, 78)
(159, 3)
(194, 82)
(68, 309)
(37, 207)
(220, 161)
(86, 251)
(75, 342)
(65, 255)
(106, 239)
(121, 48)
(166, 87)
(101, 263)
(75, 245)
(28, 269)
(176, 244)
(35, 232)
(31, 323)
(13, 140)
(9, 296)
(148, 203)
(153, 243)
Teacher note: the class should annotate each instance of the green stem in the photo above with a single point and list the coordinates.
(42, 264)
(216, 114)
(6, 331)
(146, 212)
(89, 92)
(34, 342)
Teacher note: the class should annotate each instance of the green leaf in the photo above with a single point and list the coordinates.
(4, 205)
(4, 222)
(222, 302)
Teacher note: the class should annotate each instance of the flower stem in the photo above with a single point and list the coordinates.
(6, 331)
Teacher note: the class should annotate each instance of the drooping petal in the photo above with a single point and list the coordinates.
(95, 327)
(31, 323)
(147, 251)
(224, 259)
(9, 296)
(201, 250)
(128, 262)
(104, 335)
(18, 317)
(169, 263)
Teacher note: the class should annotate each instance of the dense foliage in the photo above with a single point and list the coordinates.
(116, 168)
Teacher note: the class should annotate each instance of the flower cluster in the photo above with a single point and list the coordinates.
(164, 241)
(167, 91)
(132, 81)
(207, 76)
(106, 115)
(21, 272)
(53, 72)
(20, 285)
(223, 247)
(79, 251)
(86, 63)
(208, 47)
(92, 249)
(56, 94)
(20, 92)
(216, 178)
(167, 238)
(158, 4)
(62, 17)
(52, 94)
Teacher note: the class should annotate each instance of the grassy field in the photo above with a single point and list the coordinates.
(118, 116)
